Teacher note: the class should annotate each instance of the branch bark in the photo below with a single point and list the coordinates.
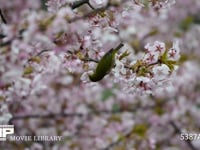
(2, 17)
(127, 135)
(79, 3)
(178, 131)
(92, 112)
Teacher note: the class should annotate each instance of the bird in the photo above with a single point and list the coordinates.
(105, 64)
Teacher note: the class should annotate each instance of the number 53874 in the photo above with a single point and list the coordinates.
(190, 136)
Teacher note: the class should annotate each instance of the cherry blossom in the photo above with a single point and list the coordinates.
(144, 100)
(98, 3)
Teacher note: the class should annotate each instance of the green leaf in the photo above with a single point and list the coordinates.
(158, 110)
(143, 71)
(106, 94)
(137, 46)
(35, 59)
(2, 98)
(124, 54)
(198, 106)
(170, 64)
(116, 107)
(178, 34)
(140, 68)
(140, 129)
(183, 58)
(115, 118)
(185, 24)
(164, 57)
(153, 32)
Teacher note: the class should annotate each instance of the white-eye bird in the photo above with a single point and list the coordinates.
(105, 64)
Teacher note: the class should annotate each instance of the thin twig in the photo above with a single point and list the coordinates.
(89, 14)
(79, 3)
(127, 135)
(96, 11)
(2, 17)
(38, 54)
(45, 116)
(45, 50)
(156, 63)
(90, 59)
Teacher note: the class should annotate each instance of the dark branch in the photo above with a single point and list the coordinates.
(2, 36)
(45, 50)
(119, 46)
(2, 17)
(46, 116)
(178, 131)
(156, 63)
(92, 112)
(95, 11)
(79, 3)
(5, 43)
(90, 59)
(89, 14)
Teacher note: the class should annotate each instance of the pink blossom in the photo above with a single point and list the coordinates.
(161, 72)
(174, 52)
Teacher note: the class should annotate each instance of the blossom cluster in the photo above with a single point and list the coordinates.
(151, 71)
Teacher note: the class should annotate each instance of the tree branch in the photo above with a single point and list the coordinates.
(178, 131)
(79, 3)
(127, 135)
(2, 17)
(47, 116)
(95, 11)
(92, 112)
(73, 6)
(5, 43)
(90, 59)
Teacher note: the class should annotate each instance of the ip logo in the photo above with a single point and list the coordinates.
(5, 130)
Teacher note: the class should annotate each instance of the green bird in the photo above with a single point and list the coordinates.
(105, 64)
